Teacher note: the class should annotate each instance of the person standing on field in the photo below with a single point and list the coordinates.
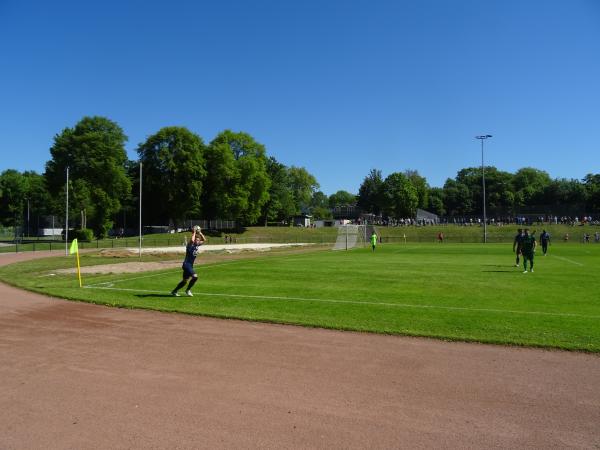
(191, 251)
(373, 240)
(528, 249)
(518, 245)
(544, 240)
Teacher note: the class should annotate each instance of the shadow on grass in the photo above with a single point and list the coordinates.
(154, 295)
(503, 266)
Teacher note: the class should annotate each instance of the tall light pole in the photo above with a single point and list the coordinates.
(67, 216)
(483, 138)
(140, 241)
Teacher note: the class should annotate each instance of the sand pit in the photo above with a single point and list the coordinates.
(177, 252)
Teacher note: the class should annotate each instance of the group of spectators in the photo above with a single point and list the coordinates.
(478, 221)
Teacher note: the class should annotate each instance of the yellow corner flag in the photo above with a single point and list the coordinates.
(75, 249)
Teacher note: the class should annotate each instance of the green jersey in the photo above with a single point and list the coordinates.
(373, 239)
(528, 244)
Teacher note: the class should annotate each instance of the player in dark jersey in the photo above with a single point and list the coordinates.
(518, 245)
(544, 240)
(529, 244)
(191, 251)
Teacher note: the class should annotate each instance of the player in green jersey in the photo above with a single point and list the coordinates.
(373, 240)
(528, 248)
(518, 245)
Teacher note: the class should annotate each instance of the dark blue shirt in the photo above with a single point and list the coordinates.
(191, 251)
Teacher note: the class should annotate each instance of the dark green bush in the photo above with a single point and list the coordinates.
(85, 235)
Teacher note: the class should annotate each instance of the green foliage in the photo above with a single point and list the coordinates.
(319, 206)
(422, 187)
(303, 185)
(95, 154)
(592, 189)
(173, 172)
(401, 198)
(529, 185)
(341, 198)
(85, 234)
(370, 193)
(237, 178)
(436, 201)
(280, 205)
(13, 191)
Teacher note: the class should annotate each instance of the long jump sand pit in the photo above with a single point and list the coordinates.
(76, 375)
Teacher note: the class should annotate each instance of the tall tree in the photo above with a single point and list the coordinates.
(241, 164)
(95, 154)
(13, 193)
(458, 200)
(564, 197)
(401, 198)
(319, 206)
(302, 185)
(529, 185)
(370, 193)
(280, 205)
(422, 187)
(436, 201)
(173, 168)
(592, 188)
(342, 198)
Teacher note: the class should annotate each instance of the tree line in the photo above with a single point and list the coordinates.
(233, 178)
(528, 191)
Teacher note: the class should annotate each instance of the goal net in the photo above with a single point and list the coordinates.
(350, 236)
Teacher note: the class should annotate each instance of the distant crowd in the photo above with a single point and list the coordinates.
(478, 221)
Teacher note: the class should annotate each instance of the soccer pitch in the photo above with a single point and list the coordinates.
(469, 292)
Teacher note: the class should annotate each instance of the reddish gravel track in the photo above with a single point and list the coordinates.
(81, 376)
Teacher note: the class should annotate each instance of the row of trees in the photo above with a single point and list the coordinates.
(182, 177)
(233, 178)
(528, 191)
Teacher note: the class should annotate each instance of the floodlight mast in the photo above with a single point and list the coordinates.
(483, 138)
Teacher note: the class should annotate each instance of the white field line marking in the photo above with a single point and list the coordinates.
(353, 302)
(568, 260)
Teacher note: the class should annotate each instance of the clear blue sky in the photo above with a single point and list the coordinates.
(338, 87)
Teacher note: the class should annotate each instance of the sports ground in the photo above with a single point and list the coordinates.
(467, 292)
(73, 370)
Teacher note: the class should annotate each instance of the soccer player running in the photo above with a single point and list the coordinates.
(529, 244)
(518, 245)
(544, 240)
(191, 251)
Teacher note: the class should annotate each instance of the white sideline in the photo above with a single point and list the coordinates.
(353, 302)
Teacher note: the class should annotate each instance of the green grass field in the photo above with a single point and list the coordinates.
(468, 292)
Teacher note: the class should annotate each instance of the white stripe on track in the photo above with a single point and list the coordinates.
(353, 302)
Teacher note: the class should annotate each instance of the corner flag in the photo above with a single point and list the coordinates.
(75, 249)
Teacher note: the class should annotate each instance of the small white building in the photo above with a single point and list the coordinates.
(303, 220)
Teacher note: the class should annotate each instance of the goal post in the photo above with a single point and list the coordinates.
(350, 236)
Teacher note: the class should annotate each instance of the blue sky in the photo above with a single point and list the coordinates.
(338, 87)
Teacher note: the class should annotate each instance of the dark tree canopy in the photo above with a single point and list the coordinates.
(173, 169)
(95, 154)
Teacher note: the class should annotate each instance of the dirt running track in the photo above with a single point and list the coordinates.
(80, 376)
